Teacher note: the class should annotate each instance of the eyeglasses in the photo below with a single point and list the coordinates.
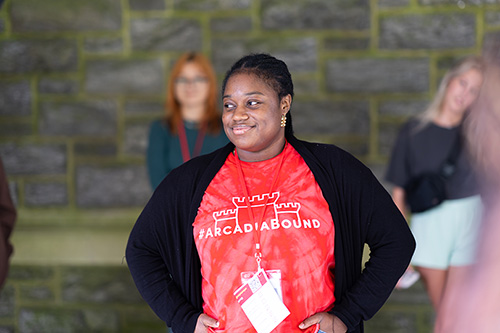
(196, 80)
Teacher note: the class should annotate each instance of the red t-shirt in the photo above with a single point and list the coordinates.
(296, 237)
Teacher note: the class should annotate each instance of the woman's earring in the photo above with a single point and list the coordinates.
(283, 120)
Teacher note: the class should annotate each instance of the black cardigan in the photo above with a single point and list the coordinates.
(163, 259)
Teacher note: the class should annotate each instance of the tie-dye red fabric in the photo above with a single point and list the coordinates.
(297, 237)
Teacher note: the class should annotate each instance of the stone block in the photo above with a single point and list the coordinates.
(492, 18)
(111, 186)
(101, 285)
(165, 34)
(16, 128)
(45, 194)
(231, 24)
(33, 159)
(65, 15)
(299, 53)
(141, 5)
(428, 31)
(144, 107)
(357, 148)
(331, 117)
(393, 3)
(54, 320)
(369, 75)
(387, 136)
(316, 14)
(211, 5)
(87, 118)
(28, 273)
(29, 55)
(48, 85)
(7, 329)
(7, 301)
(2, 25)
(103, 45)
(130, 76)
(15, 98)
(95, 149)
(305, 86)
(342, 43)
(462, 5)
(403, 108)
(136, 139)
(102, 320)
(38, 293)
(378, 171)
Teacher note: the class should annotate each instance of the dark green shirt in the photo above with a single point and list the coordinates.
(164, 149)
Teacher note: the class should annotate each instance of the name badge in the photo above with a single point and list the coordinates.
(260, 301)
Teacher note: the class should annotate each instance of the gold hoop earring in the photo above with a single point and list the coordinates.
(283, 120)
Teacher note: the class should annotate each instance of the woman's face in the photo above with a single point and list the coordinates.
(191, 86)
(252, 117)
(462, 91)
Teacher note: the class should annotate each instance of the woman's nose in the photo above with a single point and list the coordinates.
(240, 113)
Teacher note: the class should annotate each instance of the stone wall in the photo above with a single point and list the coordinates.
(80, 81)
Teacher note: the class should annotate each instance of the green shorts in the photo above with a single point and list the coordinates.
(447, 234)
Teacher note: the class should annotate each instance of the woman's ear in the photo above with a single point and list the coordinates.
(285, 104)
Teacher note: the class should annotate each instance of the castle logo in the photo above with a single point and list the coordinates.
(284, 215)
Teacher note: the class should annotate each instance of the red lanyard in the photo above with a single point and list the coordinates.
(186, 156)
(258, 250)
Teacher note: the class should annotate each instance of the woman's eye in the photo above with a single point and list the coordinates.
(253, 103)
(228, 105)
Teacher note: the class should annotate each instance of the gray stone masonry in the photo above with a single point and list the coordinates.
(124, 77)
(87, 118)
(370, 75)
(65, 15)
(28, 55)
(74, 299)
(423, 31)
(111, 186)
(315, 14)
(15, 98)
(81, 82)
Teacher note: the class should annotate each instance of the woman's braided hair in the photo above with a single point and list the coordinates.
(272, 71)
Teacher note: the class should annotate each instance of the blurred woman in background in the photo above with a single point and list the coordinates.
(445, 234)
(191, 125)
(473, 305)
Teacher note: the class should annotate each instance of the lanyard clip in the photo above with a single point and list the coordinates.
(258, 258)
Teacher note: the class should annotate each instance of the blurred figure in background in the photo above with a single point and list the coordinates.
(192, 125)
(7, 220)
(474, 305)
(445, 234)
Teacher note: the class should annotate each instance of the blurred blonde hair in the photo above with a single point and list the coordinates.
(434, 108)
(173, 114)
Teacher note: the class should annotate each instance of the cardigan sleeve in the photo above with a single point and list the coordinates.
(370, 217)
(153, 258)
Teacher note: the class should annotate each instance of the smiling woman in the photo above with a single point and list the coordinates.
(267, 209)
(252, 117)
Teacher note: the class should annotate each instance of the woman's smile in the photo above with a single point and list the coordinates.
(241, 129)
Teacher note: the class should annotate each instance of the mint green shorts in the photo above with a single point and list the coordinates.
(447, 234)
